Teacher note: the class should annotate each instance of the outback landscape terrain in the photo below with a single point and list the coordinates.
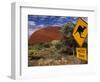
(53, 45)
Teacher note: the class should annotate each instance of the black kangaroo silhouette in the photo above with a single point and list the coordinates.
(80, 30)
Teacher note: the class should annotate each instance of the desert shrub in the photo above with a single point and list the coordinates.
(46, 44)
(58, 46)
(67, 29)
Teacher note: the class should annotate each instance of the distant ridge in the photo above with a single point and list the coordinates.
(46, 34)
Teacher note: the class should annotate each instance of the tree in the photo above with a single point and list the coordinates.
(67, 30)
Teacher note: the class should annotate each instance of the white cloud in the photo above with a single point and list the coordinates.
(63, 17)
(40, 25)
(31, 23)
(58, 24)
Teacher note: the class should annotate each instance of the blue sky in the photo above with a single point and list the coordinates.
(36, 22)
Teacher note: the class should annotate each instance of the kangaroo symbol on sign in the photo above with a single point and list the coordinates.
(80, 30)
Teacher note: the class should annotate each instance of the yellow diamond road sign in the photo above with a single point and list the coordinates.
(80, 31)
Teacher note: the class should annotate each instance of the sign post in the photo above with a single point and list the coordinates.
(80, 33)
